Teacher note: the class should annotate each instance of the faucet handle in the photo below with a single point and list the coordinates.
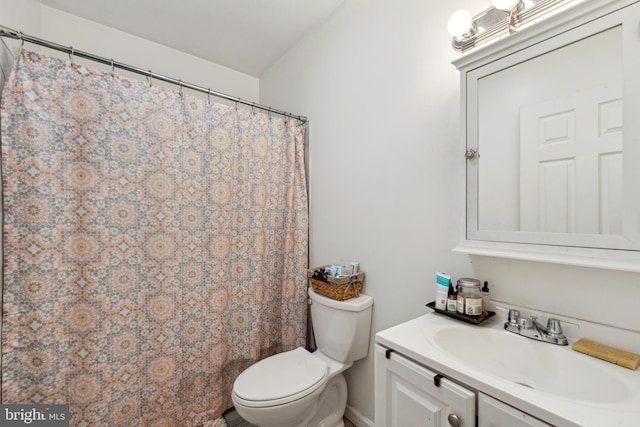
(554, 327)
(514, 317)
(526, 323)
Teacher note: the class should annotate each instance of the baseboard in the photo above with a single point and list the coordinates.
(357, 418)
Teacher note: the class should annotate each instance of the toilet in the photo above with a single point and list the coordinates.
(298, 388)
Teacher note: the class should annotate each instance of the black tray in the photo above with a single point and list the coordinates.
(459, 316)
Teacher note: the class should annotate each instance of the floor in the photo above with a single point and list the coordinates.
(235, 420)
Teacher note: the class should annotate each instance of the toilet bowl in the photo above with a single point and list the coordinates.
(298, 388)
(290, 389)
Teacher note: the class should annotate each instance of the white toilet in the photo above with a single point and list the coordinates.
(297, 388)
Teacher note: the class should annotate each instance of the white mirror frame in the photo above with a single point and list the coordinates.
(572, 23)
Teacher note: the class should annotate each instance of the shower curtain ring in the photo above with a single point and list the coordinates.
(209, 96)
(149, 77)
(71, 54)
(253, 108)
(21, 38)
(237, 101)
(180, 85)
(113, 68)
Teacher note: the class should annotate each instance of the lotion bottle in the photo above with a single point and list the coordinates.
(442, 290)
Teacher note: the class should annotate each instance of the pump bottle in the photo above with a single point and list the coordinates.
(485, 299)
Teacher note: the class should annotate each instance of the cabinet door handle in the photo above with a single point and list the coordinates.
(436, 380)
(454, 420)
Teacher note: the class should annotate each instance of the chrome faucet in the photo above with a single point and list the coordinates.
(530, 327)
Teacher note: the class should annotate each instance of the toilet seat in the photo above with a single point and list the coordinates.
(280, 379)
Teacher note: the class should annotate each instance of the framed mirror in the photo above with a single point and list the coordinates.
(553, 112)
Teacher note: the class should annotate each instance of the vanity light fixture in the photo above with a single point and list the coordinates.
(504, 15)
(507, 5)
(461, 25)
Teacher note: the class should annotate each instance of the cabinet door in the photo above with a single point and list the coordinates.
(493, 413)
(406, 395)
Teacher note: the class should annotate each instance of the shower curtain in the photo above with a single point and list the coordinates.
(154, 245)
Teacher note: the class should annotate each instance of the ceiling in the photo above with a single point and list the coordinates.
(244, 35)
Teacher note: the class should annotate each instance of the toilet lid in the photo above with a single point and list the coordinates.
(281, 378)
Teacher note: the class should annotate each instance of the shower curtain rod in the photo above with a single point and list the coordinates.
(19, 35)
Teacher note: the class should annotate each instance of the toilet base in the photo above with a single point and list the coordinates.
(332, 403)
(327, 409)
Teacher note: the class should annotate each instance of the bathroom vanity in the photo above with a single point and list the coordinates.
(438, 371)
(549, 121)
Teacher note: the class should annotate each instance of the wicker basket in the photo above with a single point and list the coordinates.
(337, 288)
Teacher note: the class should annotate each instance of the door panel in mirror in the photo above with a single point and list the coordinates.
(569, 147)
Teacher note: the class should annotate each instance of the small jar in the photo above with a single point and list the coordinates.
(470, 290)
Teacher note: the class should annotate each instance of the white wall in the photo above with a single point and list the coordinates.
(386, 166)
(23, 15)
(387, 172)
(82, 34)
(33, 18)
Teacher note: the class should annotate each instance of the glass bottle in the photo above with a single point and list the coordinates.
(452, 299)
(469, 289)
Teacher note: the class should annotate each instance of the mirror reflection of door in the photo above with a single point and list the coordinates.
(571, 163)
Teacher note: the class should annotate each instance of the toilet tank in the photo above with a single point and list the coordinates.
(341, 328)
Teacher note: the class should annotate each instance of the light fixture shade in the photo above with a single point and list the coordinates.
(505, 4)
(460, 23)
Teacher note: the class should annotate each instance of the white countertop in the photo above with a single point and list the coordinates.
(415, 339)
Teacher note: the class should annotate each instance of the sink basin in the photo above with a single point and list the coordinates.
(548, 368)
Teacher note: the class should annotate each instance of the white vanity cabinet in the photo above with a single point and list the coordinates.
(407, 395)
(493, 413)
(411, 394)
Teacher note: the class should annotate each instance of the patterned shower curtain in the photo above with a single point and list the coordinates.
(154, 245)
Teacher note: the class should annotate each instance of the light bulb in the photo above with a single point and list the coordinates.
(459, 23)
(505, 4)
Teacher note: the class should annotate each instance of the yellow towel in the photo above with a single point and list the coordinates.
(604, 352)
